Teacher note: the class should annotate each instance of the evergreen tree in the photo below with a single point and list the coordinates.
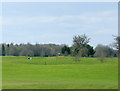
(3, 50)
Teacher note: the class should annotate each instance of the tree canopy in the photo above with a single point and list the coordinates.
(81, 47)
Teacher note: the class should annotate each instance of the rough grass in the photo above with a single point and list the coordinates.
(59, 73)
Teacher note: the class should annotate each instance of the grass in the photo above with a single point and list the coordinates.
(59, 73)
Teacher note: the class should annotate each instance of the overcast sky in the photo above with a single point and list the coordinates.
(59, 22)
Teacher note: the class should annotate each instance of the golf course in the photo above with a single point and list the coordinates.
(66, 45)
(59, 72)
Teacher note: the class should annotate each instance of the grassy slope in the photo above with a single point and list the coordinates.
(59, 73)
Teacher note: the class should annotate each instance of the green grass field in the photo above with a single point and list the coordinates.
(59, 73)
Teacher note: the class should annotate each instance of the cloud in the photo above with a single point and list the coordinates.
(0, 19)
(0, 23)
(68, 25)
(106, 13)
(57, 38)
(90, 17)
(106, 32)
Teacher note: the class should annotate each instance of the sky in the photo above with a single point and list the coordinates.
(58, 23)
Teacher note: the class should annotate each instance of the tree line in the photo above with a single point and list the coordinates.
(79, 48)
(43, 50)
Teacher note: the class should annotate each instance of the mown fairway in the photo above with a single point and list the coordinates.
(59, 73)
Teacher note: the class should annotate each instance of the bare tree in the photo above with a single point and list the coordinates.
(80, 41)
(103, 51)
